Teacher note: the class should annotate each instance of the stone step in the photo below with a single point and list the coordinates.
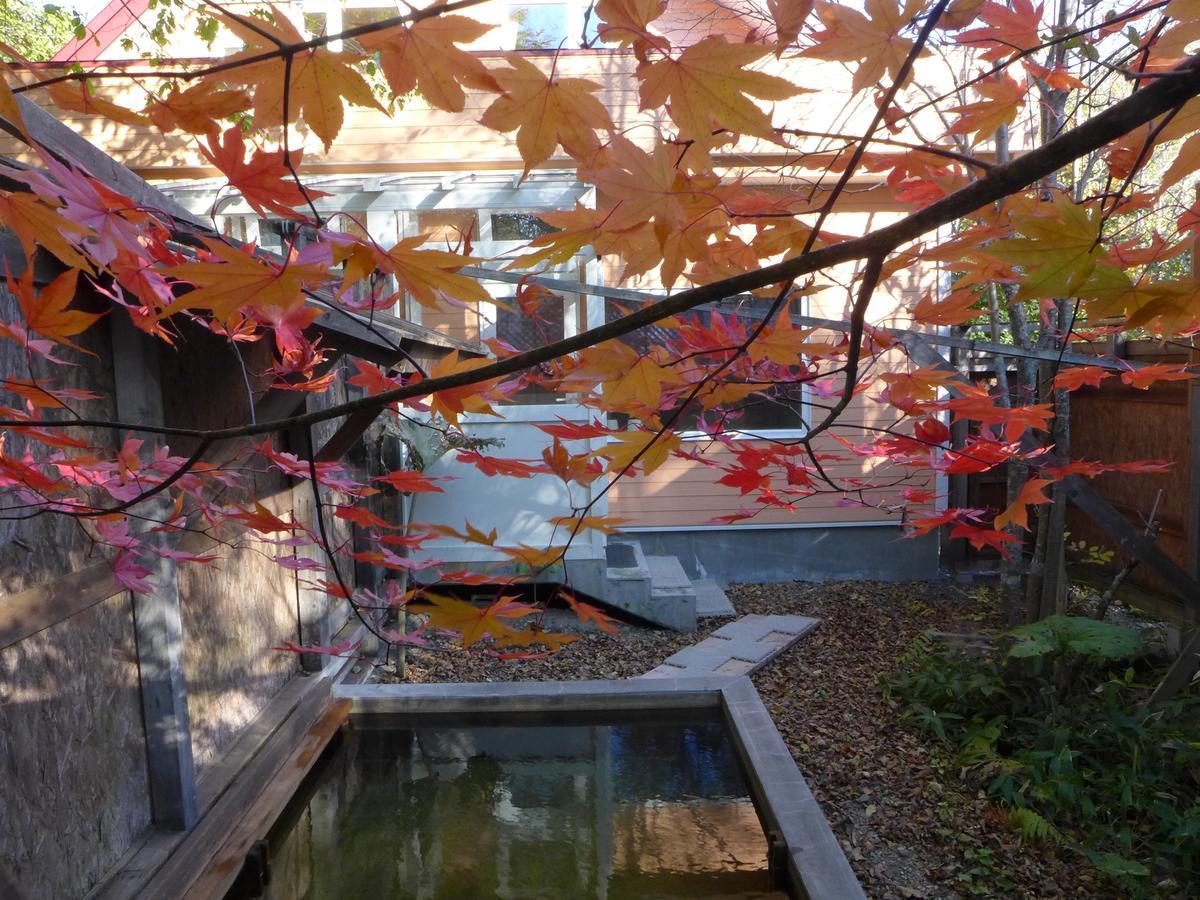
(739, 648)
(711, 601)
(671, 593)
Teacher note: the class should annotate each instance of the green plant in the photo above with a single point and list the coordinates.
(1051, 727)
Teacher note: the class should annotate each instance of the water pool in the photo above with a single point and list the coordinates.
(606, 807)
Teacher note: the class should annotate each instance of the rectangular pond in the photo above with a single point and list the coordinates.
(640, 788)
(639, 806)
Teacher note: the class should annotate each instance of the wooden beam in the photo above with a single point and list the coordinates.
(158, 626)
(222, 870)
(41, 606)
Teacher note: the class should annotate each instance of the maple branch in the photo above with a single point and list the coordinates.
(284, 51)
(1145, 104)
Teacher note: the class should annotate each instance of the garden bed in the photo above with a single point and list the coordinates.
(910, 826)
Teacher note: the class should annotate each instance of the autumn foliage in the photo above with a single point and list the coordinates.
(1073, 237)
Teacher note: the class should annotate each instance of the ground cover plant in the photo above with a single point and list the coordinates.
(1054, 723)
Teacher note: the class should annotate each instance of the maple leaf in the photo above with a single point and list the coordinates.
(870, 38)
(408, 481)
(576, 431)
(35, 224)
(788, 16)
(240, 280)
(132, 575)
(262, 520)
(642, 383)
(425, 57)
(709, 85)
(627, 24)
(78, 96)
(955, 308)
(1008, 30)
(546, 111)
(315, 86)
(602, 524)
(264, 180)
(1059, 251)
(628, 446)
(1145, 376)
(46, 312)
(429, 276)
(984, 537)
(1076, 377)
(497, 465)
(1032, 494)
(1003, 98)
(473, 623)
(588, 613)
(196, 109)
(453, 402)
(639, 185)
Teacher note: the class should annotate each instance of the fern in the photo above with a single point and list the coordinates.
(1033, 826)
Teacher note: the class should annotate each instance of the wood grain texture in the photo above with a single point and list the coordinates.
(72, 759)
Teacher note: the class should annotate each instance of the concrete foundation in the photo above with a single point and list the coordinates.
(872, 552)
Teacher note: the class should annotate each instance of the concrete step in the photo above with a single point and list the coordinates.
(711, 601)
(654, 588)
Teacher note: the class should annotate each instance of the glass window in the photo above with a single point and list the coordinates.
(448, 225)
(538, 323)
(519, 227)
(540, 26)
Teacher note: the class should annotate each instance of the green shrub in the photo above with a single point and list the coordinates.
(1051, 726)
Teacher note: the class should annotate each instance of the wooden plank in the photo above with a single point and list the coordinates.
(168, 862)
(157, 623)
(223, 869)
(48, 603)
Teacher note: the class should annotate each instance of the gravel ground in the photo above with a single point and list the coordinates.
(909, 827)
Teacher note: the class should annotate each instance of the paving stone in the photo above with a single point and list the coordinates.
(739, 648)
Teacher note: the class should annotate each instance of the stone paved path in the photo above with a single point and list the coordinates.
(739, 648)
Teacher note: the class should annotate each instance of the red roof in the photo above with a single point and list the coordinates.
(102, 31)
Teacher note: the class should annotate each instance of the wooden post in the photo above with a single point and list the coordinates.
(157, 624)
(312, 604)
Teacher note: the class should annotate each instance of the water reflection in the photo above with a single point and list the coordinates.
(634, 810)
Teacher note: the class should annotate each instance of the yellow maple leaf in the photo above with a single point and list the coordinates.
(430, 276)
(1059, 251)
(627, 446)
(641, 383)
(709, 85)
(425, 57)
(196, 109)
(36, 224)
(637, 186)
(240, 280)
(316, 87)
(546, 111)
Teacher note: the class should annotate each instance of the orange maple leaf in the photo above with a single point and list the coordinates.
(953, 309)
(627, 24)
(871, 39)
(1032, 494)
(264, 179)
(471, 398)
(1145, 376)
(429, 276)
(78, 96)
(46, 312)
(36, 224)
(709, 85)
(1008, 30)
(197, 109)
(1076, 377)
(425, 57)
(546, 111)
(1003, 98)
(262, 520)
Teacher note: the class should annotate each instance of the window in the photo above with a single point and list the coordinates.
(540, 26)
(448, 226)
(519, 226)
